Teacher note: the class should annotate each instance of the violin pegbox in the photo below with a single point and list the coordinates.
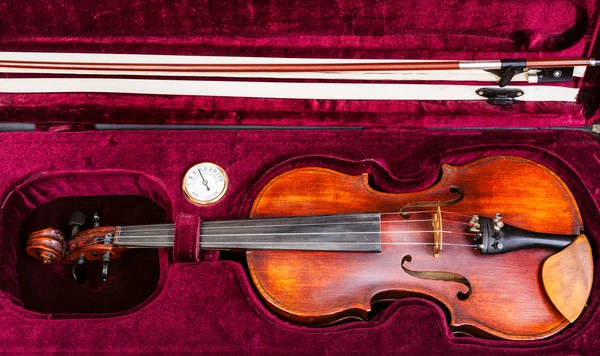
(92, 244)
(50, 246)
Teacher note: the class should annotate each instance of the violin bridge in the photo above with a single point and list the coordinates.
(437, 232)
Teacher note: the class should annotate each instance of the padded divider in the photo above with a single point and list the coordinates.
(186, 246)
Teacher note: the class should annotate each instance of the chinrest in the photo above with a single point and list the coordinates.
(568, 277)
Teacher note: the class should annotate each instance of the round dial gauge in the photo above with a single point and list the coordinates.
(205, 183)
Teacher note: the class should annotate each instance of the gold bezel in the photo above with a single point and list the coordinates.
(199, 202)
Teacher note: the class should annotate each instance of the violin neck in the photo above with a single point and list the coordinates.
(346, 232)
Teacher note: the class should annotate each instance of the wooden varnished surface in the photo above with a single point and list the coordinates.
(508, 299)
(568, 279)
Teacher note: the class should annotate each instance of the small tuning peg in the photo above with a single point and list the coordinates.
(105, 265)
(96, 220)
(79, 272)
(76, 222)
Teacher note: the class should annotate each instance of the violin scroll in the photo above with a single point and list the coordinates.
(47, 245)
(50, 246)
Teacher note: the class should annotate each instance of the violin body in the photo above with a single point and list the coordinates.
(508, 298)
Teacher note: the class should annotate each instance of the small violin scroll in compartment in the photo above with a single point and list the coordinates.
(47, 245)
(133, 278)
(93, 244)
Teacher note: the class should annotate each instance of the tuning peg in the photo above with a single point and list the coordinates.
(96, 220)
(105, 265)
(76, 222)
(79, 272)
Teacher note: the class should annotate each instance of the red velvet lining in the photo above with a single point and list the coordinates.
(186, 247)
(344, 29)
(94, 108)
(211, 306)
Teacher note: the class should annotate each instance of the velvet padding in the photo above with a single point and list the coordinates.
(211, 306)
(186, 246)
(349, 29)
(153, 304)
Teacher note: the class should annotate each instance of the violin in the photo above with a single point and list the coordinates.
(498, 243)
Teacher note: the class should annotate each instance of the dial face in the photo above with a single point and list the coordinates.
(205, 183)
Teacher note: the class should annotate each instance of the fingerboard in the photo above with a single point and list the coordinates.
(346, 232)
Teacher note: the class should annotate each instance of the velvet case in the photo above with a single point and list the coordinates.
(157, 302)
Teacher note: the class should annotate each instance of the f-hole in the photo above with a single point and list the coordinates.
(439, 276)
(460, 194)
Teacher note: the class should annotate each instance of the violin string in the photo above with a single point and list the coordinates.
(427, 212)
(321, 216)
(170, 228)
(333, 223)
(169, 243)
(338, 215)
(121, 237)
(143, 229)
(334, 216)
(321, 243)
